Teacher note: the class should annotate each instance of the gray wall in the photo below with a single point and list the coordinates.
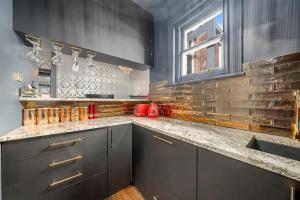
(165, 14)
(269, 28)
(12, 59)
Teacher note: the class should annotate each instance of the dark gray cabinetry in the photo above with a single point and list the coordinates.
(223, 178)
(119, 157)
(119, 30)
(43, 167)
(143, 170)
(164, 168)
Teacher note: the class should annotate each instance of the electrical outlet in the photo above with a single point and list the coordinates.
(18, 77)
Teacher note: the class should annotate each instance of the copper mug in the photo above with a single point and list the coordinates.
(42, 116)
(75, 114)
(83, 113)
(29, 117)
(65, 114)
(53, 115)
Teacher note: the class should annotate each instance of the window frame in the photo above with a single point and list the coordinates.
(198, 15)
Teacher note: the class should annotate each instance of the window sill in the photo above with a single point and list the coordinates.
(217, 77)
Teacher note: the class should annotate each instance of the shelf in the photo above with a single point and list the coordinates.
(23, 99)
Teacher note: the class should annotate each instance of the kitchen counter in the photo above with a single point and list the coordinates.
(226, 141)
(79, 99)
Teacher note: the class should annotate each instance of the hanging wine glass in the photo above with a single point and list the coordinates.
(90, 57)
(34, 54)
(57, 58)
(75, 55)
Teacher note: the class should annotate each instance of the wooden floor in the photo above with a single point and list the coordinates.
(129, 193)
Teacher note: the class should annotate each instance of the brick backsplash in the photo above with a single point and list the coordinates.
(262, 100)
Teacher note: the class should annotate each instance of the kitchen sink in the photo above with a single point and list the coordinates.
(274, 148)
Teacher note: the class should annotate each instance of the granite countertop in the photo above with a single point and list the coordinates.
(226, 141)
(79, 99)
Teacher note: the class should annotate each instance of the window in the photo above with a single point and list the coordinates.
(203, 46)
(199, 46)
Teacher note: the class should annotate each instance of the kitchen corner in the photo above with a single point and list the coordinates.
(141, 99)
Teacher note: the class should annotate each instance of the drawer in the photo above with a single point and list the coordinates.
(30, 148)
(76, 189)
(90, 155)
(91, 189)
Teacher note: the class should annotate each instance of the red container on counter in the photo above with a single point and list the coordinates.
(92, 111)
(165, 110)
(95, 111)
(141, 110)
(153, 111)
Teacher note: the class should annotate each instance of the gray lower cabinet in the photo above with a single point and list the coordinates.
(223, 178)
(163, 167)
(56, 167)
(119, 157)
(92, 188)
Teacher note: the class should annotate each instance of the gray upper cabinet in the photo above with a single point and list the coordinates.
(223, 178)
(164, 168)
(119, 30)
(119, 157)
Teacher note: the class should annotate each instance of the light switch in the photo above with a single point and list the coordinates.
(18, 77)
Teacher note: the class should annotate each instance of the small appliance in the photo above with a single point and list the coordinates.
(153, 111)
(141, 110)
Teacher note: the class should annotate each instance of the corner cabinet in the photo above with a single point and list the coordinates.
(223, 178)
(163, 168)
(119, 157)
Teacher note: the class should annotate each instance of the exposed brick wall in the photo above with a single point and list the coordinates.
(200, 56)
(261, 100)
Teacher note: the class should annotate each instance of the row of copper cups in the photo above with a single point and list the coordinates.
(54, 115)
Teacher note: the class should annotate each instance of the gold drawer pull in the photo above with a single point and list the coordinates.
(55, 183)
(54, 164)
(164, 140)
(56, 144)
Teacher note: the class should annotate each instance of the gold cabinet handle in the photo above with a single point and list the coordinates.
(292, 193)
(55, 183)
(54, 164)
(164, 140)
(56, 144)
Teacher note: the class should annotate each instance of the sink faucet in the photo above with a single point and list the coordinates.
(295, 131)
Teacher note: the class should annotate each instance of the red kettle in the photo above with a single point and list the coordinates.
(153, 111)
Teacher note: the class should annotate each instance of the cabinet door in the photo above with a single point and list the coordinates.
(175, 168)
(223, 178)
(164, 168)
(143, 161)
(119, 157)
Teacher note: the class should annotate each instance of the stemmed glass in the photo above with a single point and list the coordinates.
(34, 54)
(75, 55)
(56, 59)
(90, 58)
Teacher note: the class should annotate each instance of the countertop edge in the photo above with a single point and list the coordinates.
(276, 164)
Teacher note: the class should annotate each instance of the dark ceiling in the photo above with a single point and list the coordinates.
(163, 8)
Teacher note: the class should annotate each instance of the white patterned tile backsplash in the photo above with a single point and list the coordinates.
(103, 78)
